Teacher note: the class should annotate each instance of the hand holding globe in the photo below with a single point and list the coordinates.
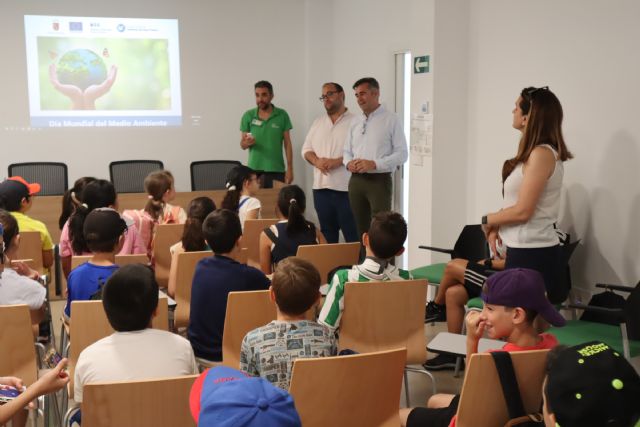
(82, 76)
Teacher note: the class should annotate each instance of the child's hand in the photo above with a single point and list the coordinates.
(475, 325)
(12, 382)
(53, 380)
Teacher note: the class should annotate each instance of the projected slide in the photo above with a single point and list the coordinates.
(103, 72)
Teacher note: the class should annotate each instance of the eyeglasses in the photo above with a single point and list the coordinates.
(530, 92)
(327, 95)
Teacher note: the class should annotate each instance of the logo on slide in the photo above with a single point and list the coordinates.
(55, 25)
(120, 27)
(75, 26)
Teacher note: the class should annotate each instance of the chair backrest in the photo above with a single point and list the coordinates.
(357, 390)
(471, 244)
(246, 311)
(211, 174)
(166, 235)
(31, 248)
(135, 403)
(482, 401)
(385, 315)
(89, 324)
(16, 341)
(185, 268)
(51, 176)
(128, 176)
(251, 238)
(329, 256)
(121, 260)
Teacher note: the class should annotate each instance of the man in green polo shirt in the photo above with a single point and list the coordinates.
(264, 130)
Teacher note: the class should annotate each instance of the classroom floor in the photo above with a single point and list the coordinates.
(419, 385)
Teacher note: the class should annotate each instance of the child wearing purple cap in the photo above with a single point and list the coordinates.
(512, 300)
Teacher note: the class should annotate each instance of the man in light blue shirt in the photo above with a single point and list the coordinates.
(374, 148)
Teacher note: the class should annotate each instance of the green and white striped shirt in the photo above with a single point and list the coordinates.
(368, 271)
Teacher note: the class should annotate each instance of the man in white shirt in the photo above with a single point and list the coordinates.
(375, 147)
(134, 351)
(323, 148)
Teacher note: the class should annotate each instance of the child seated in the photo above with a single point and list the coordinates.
(16, 196)
(192, 238)
(15, 285)
(134, 351)
(160, 188)
(72, 198)
(214, 278)
(242, 186)
(512, 300)
(98, 193)
(282, 239)
(269, 351)
(590, 385)
(383, 242)
(104, 231)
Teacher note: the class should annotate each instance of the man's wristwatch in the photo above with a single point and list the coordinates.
(484, 220)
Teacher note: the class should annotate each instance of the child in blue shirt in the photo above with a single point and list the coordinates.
(104, 231)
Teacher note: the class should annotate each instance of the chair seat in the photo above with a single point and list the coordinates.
(578, 331)
(433, 273)
(475, 303)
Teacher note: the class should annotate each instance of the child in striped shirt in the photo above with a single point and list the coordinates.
(383, 242)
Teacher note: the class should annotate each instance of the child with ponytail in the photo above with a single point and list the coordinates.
(242, 186)
(160, 189)
(282, 239)
(98, 193)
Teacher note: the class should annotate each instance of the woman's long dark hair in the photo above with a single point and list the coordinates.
(192, 237)
(544, 126)
(235, 182)
(71, 199)
(97, 194)
(292, 204)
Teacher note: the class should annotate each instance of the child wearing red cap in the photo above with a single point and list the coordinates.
(512, 300)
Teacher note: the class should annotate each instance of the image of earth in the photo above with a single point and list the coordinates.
(81, 68)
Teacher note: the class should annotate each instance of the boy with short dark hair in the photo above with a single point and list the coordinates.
(104, 231)
(214, 278)
(134, 351)
(383, 242)
(269, 351)
(512, 300)
(590, 384)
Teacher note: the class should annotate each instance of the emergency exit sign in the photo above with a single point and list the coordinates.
(421, 64)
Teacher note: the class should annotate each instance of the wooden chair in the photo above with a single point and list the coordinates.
(185, 267)
(19, 357)
(329, 256)
(386, 315)
(136, 403)
(481, 401)
(251, 238)
(166, 235)
(121, 260)
(357, 390)
(246, 311)
(31, 248)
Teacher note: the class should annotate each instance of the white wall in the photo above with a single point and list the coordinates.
(359, 38)
(225, 48)
(586, 53)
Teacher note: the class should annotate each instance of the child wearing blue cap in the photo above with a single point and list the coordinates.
(512, 300)
(226, 397)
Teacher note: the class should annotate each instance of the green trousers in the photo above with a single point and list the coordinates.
(369, 193)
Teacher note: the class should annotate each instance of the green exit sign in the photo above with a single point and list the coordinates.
(421, 64)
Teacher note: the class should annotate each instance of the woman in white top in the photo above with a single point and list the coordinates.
(242, 186)
(532, 182)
